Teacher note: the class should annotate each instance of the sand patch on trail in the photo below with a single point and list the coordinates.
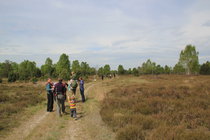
(90, 126)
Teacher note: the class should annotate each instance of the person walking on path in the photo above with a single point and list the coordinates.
(49, 89)
(73, 83)
(82, 89)
(74, 87)
(60, 97)
(72, 104)
(73, 76)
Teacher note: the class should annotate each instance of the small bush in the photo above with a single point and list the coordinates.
(12, 77)
(1, 80)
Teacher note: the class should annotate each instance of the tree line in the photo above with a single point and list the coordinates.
(27, 70)
(188, 64)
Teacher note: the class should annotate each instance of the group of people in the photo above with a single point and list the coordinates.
(61, 91)
(109, 76)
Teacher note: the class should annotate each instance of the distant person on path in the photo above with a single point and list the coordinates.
(69, 89)
(49, 89)
(69, 85)
(72, 104)
(73, 83)
(82, 89)
(74, 87)
(60, 97)
(73, 76)
(110, 76)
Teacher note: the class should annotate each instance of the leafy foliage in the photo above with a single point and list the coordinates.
(75, 66)
(167, 69)
(189, 60)
(7, 67)
(148, 67)
(135, 72)
(63, 67)
(121, 69)
(107, 70)
(27, 69)
(47, 69)
(188, 64)
(205, 68)
(13, 77)
(101, 71)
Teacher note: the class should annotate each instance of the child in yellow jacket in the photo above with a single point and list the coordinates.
(72, 103)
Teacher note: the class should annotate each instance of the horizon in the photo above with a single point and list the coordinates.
(110, 32)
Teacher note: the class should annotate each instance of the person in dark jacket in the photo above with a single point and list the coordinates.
(49, 90)
(82, 89)
(60, 97)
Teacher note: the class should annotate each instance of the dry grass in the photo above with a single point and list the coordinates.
(16, 99)
(161, 107)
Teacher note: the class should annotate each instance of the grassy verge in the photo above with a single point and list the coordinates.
(18, 102)
(159, 107)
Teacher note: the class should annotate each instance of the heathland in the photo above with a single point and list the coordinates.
(153, 107)
(163, 107)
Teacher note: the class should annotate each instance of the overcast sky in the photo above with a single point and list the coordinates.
(100, 32)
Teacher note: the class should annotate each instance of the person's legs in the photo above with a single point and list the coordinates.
(48, 101)
(71, 112)
(73, 91)
(58, 106)
(54, 97)
(74, 113)
(63, 105)
(82, 95)
(51, 102)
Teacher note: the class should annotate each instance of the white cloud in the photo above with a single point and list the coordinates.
(113, 31)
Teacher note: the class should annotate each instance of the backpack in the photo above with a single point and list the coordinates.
(74, 84)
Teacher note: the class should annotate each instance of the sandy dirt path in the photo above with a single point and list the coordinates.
(89, 126)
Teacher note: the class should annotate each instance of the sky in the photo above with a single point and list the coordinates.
(100, 32)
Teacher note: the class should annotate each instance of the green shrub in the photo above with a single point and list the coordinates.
(12, 77)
